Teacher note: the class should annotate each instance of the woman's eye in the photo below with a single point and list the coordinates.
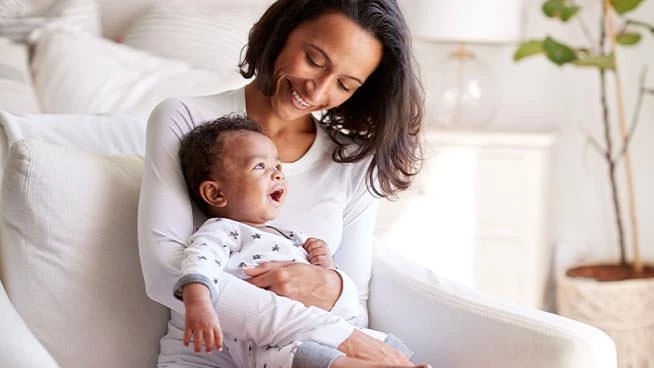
(344, 87)
(260, 165)
(312, 62)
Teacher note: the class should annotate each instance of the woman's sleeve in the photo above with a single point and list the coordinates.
(354, 256)
(165, 222)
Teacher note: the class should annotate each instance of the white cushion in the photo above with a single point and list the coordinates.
(98, 133)
(16, 91)
(76, 73)
(70, 259)
(20, 17)
(205, 33)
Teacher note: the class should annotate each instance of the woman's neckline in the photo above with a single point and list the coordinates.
(310, 157)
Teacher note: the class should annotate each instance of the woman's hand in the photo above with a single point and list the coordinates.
(308, 284)
(361, 346)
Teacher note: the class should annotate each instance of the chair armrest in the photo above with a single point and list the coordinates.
(18, 346)
(448, 325)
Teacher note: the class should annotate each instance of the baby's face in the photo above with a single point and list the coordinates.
(251, 177)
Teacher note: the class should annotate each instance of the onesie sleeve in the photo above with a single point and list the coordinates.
(206, 254)
(165, 222)
(354, 256)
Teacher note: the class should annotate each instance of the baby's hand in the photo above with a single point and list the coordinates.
(200, 319)
(319, 254)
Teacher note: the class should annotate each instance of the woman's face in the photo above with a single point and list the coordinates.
(322, 64)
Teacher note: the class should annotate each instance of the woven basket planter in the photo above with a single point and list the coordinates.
(622, 309)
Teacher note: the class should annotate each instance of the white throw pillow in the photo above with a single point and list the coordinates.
(70, 260)
(205, 33)
(76, 73)
(19, 18)
(16, 91)
(97, 133)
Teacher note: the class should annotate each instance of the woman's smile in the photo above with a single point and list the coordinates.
(298, 101)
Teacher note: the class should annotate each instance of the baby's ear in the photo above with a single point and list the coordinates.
(212, 194)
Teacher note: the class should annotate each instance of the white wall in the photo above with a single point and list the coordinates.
(538, 96)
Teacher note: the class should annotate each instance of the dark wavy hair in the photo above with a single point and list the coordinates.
(201, 151)
(383, 116)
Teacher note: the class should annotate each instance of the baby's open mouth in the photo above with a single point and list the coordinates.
(277, 195)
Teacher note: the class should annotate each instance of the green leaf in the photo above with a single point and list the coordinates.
(552, 8)
(598, 61)
(568, 12)
(560, 9)
(625, 6)
(557, 52)
(628, 38)
(528, 48)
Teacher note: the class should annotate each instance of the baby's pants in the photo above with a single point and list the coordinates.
(244, 354)
(298, 354)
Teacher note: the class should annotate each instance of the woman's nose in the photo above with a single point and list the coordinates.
(318, 90)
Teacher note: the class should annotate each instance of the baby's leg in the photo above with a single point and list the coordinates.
(345, 362)
(389, 339)
(277, 356)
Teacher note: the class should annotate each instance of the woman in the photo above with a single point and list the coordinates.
(351, 60)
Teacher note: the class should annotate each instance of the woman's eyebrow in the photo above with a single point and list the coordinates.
(329, 60)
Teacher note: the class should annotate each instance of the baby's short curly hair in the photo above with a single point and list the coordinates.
(201, 151)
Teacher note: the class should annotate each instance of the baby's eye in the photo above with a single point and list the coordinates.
(279, 167)
(260, 165)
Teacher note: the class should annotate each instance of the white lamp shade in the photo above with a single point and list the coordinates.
(466, 21)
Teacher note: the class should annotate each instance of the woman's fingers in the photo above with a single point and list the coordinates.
(265, 267)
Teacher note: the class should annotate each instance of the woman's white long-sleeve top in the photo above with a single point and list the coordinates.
(328, 200)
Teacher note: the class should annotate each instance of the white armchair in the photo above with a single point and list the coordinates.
(75, 297)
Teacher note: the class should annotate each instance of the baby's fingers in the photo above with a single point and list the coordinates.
(197, 339)
(187, 336)
(208, 340)
(219, 338)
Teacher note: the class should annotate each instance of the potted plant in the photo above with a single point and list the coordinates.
(619, 297)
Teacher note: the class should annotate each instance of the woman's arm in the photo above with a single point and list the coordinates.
(166, 220)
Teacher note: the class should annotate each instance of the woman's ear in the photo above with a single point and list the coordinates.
(211, 192)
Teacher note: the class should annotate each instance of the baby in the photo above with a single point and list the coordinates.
(233, 173)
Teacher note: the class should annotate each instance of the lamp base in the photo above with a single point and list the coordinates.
(462, 91)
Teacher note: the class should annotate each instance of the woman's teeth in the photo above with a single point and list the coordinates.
(299, 99)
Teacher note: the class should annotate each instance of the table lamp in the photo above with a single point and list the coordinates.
(462, 90)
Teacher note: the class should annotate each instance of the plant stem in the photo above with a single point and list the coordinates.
(585, 30)
(607, 138)
(638, 266)
(639, 23)
(636, 114)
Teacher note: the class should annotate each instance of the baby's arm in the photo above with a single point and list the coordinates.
(200, 319)
(206, 254)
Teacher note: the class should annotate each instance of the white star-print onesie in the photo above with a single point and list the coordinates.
(224, 245)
